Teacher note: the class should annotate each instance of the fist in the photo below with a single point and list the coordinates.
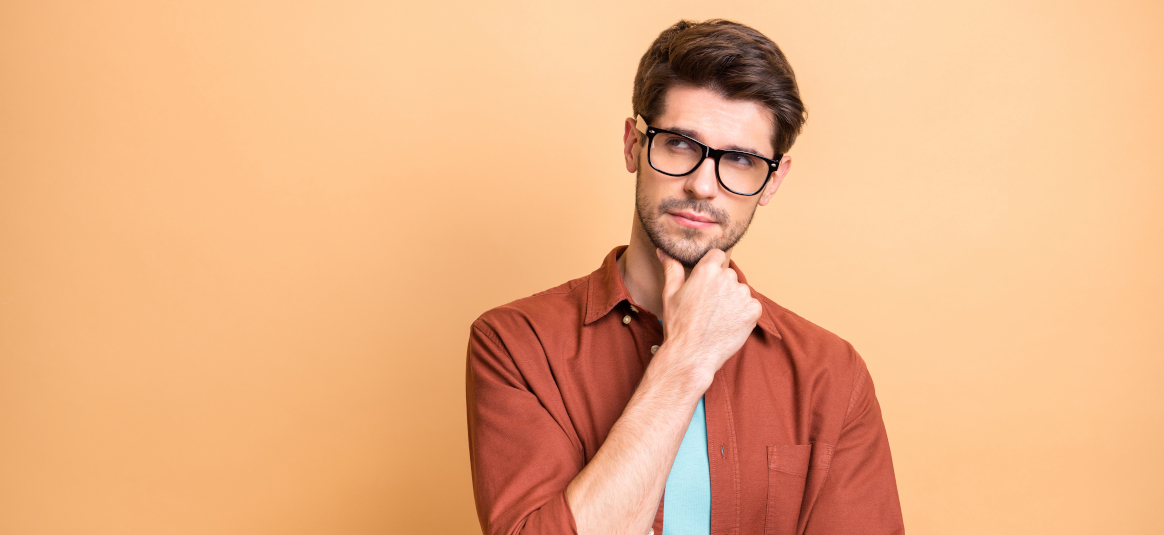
(707, 315)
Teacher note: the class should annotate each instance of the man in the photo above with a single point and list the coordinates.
(660, 393)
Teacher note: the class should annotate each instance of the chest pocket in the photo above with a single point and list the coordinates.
(787, 473)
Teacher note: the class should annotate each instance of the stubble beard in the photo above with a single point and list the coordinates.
(686, 248)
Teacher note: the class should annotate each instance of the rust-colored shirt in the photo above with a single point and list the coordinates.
(794, 433)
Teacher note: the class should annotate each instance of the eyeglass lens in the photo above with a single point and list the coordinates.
(678, 155)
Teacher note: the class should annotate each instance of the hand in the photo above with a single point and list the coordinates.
(707, 316)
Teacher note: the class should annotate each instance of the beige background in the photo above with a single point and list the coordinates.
(241, 245)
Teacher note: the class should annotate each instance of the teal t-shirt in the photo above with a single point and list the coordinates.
(687, 500)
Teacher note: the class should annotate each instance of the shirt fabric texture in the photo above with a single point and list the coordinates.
(795, 439)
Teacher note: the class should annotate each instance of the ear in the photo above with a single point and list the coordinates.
(777, 178)
(631, 144)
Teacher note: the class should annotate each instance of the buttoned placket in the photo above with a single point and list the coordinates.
(628, 318)
(653, 333)
(721, 455)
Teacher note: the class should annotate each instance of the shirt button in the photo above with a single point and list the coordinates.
(625, 320)
(654, 349)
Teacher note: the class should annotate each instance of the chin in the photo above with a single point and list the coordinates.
(687, 252)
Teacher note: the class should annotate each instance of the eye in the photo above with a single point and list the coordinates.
(678, 143)
(741, 160)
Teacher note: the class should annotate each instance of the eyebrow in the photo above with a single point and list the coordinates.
(695, 135)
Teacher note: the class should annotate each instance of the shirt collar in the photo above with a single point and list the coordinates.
(607, 289)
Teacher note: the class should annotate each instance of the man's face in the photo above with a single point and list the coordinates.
(687, 216)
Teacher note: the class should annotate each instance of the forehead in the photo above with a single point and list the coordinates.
(719, 122)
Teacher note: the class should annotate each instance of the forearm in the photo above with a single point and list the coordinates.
(619, 490)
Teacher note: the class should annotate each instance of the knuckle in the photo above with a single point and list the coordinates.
(754, 312)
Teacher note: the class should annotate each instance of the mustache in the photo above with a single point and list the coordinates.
(702, 207)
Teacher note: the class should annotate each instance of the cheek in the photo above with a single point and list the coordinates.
(740, 213)
(652, 188)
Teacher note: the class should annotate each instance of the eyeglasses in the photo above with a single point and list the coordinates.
(673, 154)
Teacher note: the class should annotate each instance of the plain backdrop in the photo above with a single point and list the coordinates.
(241, 244)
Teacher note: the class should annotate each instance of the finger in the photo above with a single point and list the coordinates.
(673, 275)
(713, 257)
(754, 310)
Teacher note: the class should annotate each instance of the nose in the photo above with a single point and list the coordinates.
(701, 183)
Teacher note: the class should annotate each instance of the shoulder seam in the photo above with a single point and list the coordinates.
(561, 289)
(489, 333)
(858, 387)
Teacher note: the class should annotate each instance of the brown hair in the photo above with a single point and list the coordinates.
(734, 60)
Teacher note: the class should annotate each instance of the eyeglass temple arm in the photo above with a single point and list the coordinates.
(640, 124)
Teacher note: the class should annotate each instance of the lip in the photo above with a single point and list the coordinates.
(692, 220)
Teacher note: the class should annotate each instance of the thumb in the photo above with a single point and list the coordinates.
(673, 275)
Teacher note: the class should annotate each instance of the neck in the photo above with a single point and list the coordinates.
(641, 271)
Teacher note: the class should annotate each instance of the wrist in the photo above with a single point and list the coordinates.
(682, 370)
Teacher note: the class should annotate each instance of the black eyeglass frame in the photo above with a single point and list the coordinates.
(708, 152)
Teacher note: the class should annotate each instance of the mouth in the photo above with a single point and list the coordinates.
(692, 219)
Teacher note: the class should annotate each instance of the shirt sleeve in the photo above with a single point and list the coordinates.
(859, 495)
(520, 455)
